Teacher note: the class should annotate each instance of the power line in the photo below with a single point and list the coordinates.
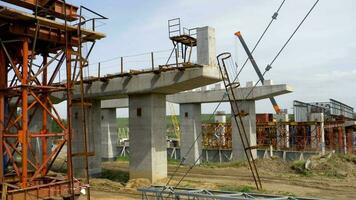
(283, 47)
(274, 17)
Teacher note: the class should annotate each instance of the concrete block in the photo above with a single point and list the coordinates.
(268, 82)
(250, 83)
(147, 123)
(206, 47)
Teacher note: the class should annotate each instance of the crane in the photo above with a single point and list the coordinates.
(257, 69)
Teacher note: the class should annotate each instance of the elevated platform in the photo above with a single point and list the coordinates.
(185, 39)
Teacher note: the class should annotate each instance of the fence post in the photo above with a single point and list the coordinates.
(122, 65)
(152, 61)
(176, 56)
(99, 69)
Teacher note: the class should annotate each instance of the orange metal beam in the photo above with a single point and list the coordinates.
(44, 117)
(23, 133)
(57, 8)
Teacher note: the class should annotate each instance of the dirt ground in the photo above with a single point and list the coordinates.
(331, 177)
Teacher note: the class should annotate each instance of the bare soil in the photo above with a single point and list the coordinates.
(332, 177)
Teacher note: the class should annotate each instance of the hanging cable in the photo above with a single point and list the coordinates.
(274, 17)
(269, 66)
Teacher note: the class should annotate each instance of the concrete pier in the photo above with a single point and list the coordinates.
(282, 131)
(190, 115)
(318, 117)
(92, 112)
(147, 123)
(109, 134)
(36, 143)
(249, 122)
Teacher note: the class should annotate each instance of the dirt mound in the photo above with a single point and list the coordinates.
(331, 165)
(274, 165)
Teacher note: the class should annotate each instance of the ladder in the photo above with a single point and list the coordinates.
(238, 115)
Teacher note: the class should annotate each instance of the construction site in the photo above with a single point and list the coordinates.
(96, 104)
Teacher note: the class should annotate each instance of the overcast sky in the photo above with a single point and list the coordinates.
(319, 63)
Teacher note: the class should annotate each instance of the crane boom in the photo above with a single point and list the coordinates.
(257, 69)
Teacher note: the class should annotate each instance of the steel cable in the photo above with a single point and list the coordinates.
(283, 47)
(274, 17)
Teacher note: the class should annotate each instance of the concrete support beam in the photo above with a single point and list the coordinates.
(190, 115)
(148, 147)
(282, 131)
(249, 122)
(109, 134)
(92, 113)
(206, 48)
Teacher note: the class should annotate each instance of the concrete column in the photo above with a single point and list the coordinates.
(148, 146)
(35, 126)
(282, 131)
(206, 49)
(109, 134)
(318, 117)
(92, 112)
(249, 122)
(190, 115)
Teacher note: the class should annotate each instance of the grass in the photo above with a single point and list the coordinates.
(115, 175)
(299, 167)
(224, 164)
(123, 158)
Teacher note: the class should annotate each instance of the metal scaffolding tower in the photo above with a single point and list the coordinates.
(35, 48)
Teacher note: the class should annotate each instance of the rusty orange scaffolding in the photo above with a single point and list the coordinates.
(34, 49)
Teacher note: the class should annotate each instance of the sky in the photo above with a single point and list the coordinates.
(319, 62)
